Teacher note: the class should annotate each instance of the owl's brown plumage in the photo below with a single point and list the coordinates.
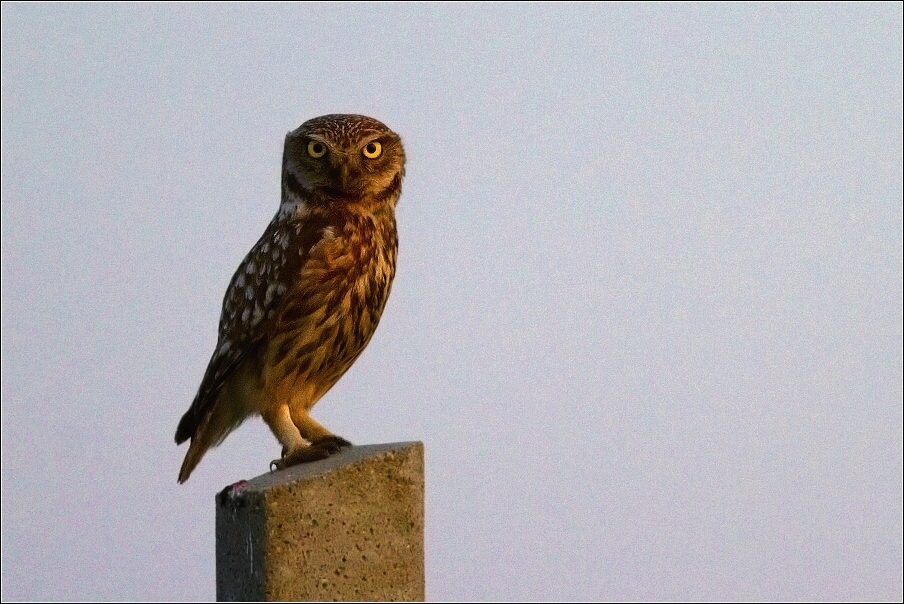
(307, 298)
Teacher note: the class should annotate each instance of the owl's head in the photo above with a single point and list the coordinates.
(335, 157)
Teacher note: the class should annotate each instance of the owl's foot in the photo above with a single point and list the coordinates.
(318, 449)
(332, 442)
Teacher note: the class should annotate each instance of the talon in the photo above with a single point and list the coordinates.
(332, 443)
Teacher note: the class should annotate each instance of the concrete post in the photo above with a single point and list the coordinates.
(349, 527)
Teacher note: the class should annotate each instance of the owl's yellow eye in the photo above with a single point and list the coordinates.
(373, 150)
(316, 149)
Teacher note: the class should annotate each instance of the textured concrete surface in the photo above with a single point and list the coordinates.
(350, 527)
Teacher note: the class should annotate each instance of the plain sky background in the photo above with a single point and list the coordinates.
(647, 318)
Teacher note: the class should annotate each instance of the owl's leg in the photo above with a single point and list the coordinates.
(311, 429)
(323, 442)
(296, 449)
(280, 421)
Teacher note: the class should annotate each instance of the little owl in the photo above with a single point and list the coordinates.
(307, 298)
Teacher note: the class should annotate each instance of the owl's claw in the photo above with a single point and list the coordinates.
(317, 450)
(332, 443)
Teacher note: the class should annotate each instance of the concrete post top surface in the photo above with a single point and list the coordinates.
(348, 457)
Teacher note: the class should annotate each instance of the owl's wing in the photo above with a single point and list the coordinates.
(222, 365)
(257, 289)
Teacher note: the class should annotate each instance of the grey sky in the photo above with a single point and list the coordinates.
(647, 319)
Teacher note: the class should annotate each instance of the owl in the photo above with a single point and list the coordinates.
(307, 298)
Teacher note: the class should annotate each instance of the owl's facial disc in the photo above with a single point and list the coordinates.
(344, 170)
(344, 157)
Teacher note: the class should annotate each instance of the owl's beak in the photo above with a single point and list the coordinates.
(349, 178)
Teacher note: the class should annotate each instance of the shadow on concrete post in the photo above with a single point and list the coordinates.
(349, 527)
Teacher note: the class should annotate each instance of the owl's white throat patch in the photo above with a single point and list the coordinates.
(293, 208)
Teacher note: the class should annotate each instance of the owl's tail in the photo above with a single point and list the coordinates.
(207, 432)
(196, 452)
